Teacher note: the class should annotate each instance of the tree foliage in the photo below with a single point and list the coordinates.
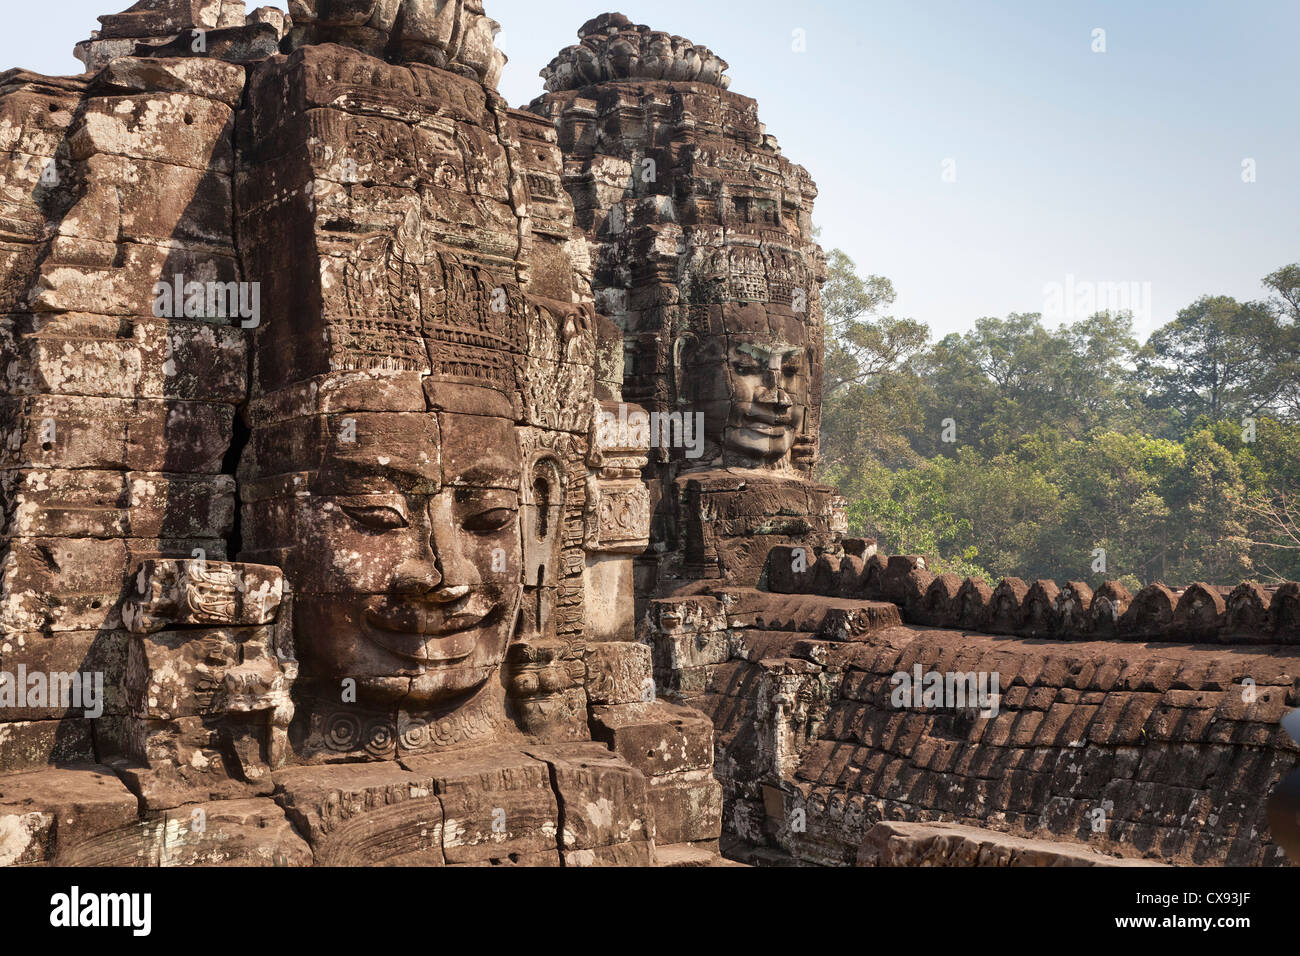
(1076, 452)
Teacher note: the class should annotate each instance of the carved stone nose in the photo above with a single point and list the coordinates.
(417, 578)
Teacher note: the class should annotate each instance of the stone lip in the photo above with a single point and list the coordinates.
(454, 35)
(613, 49)
(242, 44)
(159, 18)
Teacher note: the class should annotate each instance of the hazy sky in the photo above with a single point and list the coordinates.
(1072, 167)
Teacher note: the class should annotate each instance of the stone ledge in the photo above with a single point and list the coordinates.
(951, 844)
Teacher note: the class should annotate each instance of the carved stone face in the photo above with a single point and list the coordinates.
(768, 382)
(752, 384)
(423, 581)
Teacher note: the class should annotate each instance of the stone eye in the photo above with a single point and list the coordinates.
(376, 518)
(486, 522)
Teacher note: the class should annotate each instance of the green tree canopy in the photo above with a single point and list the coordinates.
(1177, 460)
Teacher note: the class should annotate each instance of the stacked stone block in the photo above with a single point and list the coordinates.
(118, 404)
(1164, 754)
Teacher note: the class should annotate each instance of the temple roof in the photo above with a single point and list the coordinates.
(613, 48)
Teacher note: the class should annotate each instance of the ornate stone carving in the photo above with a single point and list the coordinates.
(613, 48)
(199, 593)
(618, 502)
(706, 260)
(316, 268)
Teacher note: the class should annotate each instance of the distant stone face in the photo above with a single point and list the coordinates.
(752, 384)
(705, 252)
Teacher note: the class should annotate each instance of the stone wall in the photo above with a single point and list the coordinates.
(116, 421)
(1248, 613)
(1161, 748)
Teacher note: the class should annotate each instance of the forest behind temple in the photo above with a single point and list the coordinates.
(1071, 451)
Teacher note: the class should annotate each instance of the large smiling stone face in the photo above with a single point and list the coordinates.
(418, 587)
(405, 395)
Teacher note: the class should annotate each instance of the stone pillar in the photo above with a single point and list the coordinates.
(617, 518)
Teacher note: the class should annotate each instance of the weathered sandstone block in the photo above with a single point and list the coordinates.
(86, 503)
(198, 593)
(46, 815)
(364, 814)
(687, 807)
(496, 804)
(656, 738)
(619, 673)
(603, 804)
